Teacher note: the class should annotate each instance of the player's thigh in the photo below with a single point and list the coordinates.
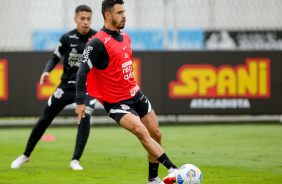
(132, 123)
(150, 121)
(146, 112)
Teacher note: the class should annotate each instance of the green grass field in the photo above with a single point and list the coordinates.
(226, 154)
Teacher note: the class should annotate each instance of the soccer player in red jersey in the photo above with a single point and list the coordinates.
(107, 68)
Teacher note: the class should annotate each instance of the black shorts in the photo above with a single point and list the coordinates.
(64, 97)
(138, 105)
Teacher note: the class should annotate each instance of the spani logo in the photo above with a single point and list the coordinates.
(249, 80)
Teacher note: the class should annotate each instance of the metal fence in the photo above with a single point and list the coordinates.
(19, 20)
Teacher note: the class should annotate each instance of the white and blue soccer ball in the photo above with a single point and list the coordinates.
(188, 174)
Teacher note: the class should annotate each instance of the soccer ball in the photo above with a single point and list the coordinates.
(188, 174)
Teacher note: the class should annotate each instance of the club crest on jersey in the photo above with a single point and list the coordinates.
(58, 93)
(124, 107)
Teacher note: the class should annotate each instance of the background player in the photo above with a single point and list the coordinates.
(107, 60)
(71, 45)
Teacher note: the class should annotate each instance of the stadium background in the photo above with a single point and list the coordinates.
(158, 25)
(161, 24)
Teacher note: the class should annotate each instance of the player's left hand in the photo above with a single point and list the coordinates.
(80, 111)
(43, 77)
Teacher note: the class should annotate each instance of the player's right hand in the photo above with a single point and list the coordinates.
(80, 111)
(43, 77)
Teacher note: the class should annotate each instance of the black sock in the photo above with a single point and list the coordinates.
(163, 159)
(153, 170)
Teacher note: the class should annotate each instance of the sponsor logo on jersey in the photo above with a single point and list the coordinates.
(126, 64)
(88, 110)
(134, 90)
(74, 50)
(127, 70)
(74, 59)
(86, 52)
(74, 36)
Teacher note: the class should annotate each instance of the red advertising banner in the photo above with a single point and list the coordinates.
(176, 82)
(3, 79)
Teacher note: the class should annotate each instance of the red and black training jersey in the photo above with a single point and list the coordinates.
(107, 59)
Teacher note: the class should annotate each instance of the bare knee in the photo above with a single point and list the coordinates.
(141, 133)
(157, 135)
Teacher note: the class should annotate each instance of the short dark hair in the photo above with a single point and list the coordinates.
(107, 5)
(83, 7)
